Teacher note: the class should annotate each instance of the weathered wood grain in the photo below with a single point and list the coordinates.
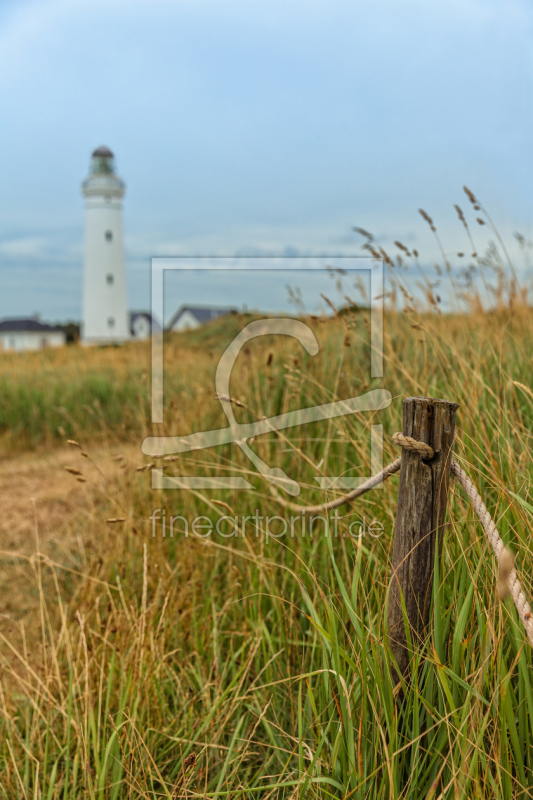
(421, 512)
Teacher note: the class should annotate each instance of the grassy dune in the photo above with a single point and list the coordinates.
(258, 665)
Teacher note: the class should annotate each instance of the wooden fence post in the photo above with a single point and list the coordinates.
(422, 501)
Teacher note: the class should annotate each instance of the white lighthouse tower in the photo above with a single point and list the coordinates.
(105, 300)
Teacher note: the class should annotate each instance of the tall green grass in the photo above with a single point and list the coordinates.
(258, 667)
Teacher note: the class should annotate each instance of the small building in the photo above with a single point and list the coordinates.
(142, 325)
(189, 317)
(29, 334)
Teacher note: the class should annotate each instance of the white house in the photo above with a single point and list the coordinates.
(29, 334)
(142, 325)
(189, 317)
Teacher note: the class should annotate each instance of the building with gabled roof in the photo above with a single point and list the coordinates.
(189, 317)
(22, 333)
(142, 325)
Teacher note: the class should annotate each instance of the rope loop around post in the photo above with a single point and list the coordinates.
(508, 580)
(407, 442)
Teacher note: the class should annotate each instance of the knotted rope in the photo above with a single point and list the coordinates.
(508, 577)
(413, 444)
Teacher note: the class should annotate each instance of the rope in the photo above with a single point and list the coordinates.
(412, 444)
(398, 438)
(508, 581)
(371, 483)
(503, 555)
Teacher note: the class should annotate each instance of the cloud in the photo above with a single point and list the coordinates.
(29, 247)
(253, 128)
(40, 249)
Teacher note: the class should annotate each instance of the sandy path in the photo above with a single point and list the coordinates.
(38, 501)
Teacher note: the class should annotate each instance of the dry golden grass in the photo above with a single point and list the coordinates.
(136, 666)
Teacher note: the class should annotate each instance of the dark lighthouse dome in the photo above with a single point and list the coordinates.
(102, 152)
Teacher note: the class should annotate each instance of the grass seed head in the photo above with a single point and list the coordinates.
(505, 565)
(469, 194)
(73, 470)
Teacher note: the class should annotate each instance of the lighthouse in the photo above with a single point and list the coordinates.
(105, 300)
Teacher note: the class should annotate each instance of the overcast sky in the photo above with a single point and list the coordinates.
(254, 127)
